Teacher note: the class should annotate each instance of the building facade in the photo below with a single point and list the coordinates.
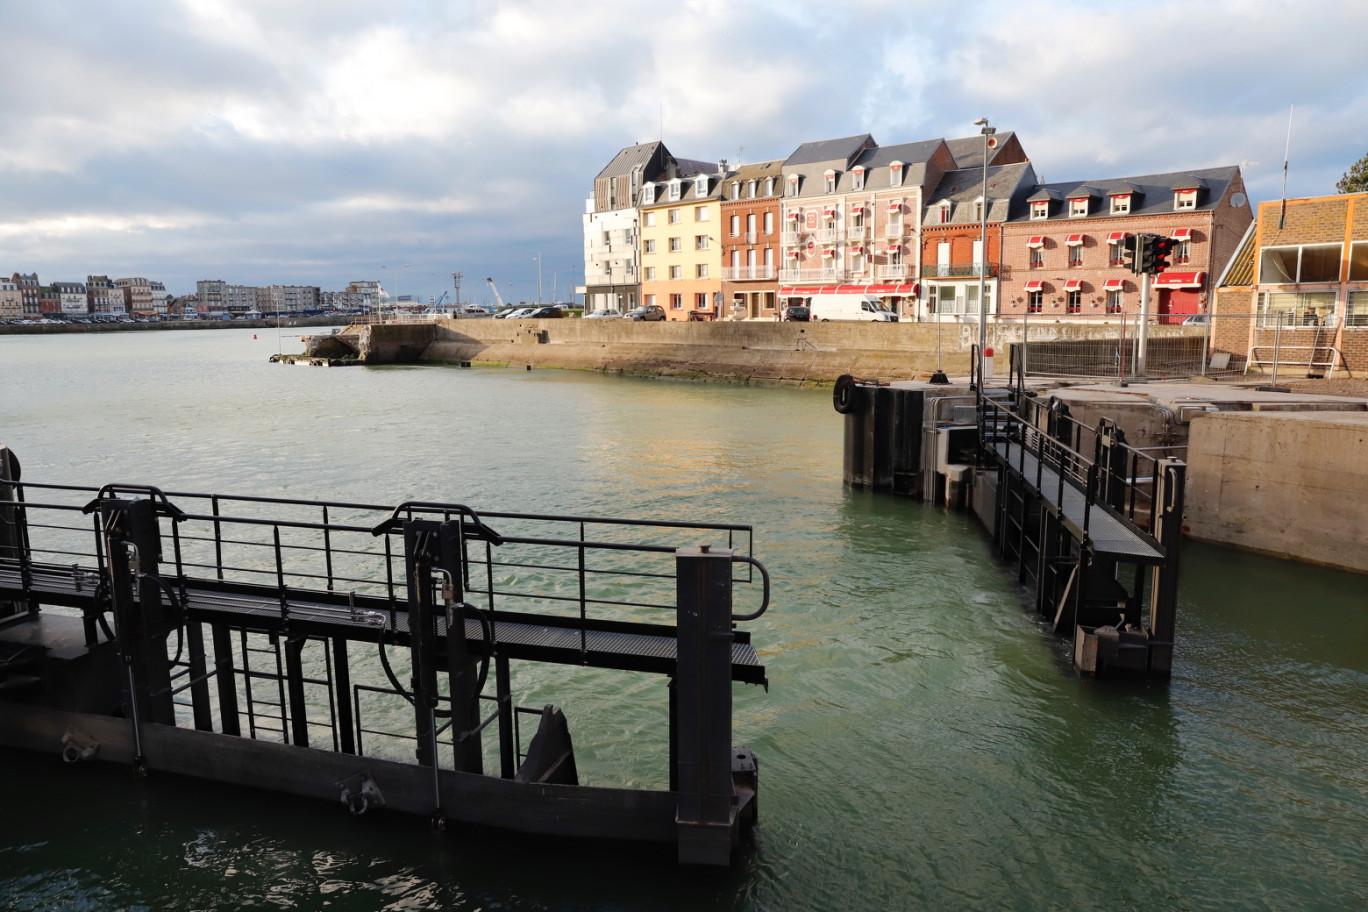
(749, 220)
(11, 301)
(30, 293)
(1300, 285)
(1062, 257)
(681, 253)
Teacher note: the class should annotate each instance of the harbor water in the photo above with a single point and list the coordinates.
(923, 742)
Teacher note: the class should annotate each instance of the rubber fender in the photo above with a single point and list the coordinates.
(847, 396)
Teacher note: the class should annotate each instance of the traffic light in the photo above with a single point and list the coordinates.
(1128, 249)
(1144, 253)
(1162, 247)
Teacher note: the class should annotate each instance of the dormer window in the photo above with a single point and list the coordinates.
(1040, 209)
(674, 190)
(648, 193)
(830, 178)
(701, 185)
(769, 186)
(1121, 204)
(736, 190)
(857, 177)
(978, 210)
(1184, 199)
(750, 188)
(944, 213)
(1078, 206)
(793, 185)
(895, 174)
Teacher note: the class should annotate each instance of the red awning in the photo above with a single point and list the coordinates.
(1180, 279)
(829, 253)
(1181, 234)
(857, 251)
(829, 213)
(1115, 284)
(1117, 237)
(1037, 240)
(792, 254)
(1036, 285)
(1073, 285)
(793, 215)
(1075, 240)
(895, 207)
(895, 248)
(856, 208)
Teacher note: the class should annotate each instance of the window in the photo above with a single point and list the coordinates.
(750, 188)
(1040, 209)
(857, 178)
(701, 242)
(750, 227)
(648, 194)
(701, 271)
(701, 185)
(650, 273)
(1293, 265)
(648, 245)
(701, 300)
(676, 301)
(735, 225)
(676, 273)
(945, 213)
(674, 190)
(736, 258)
(1037, 257)
(1114, 301)
(676, 244)
(736, 190)
(1121, 205)
(1078, 207)
(769, 256)
(1075, 301)
(675, 217)
(1035, 301)
(1184, 199)
(793, 185)
(648, 219)
(1358, 262)
(978, 210)
(769, 186)
(769, 223)
(1076, 255)
(1356, 309)
(1294, 309)
(830, 181)
(1182, 251)
(700, 213)
(895, 174)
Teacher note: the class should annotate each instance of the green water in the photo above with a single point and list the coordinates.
(923, 743)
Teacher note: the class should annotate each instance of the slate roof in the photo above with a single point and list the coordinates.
(632, 157)
(841, 151)
(1007, 188)
(968, 151)
(1154, 192)
(756, 171)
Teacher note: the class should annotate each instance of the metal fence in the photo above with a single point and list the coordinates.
(1214, 347)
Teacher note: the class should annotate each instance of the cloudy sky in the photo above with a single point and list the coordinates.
(315, 141)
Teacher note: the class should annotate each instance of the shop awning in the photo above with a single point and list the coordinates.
(1181, 234)
(1037, 240)
(1180, 279)
(1075, 240)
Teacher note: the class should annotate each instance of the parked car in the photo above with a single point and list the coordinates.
(605, 313)
(798, 313)
(647, 312)
(550, 311)
(514, 313)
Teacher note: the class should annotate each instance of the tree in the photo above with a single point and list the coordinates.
(1355, 180)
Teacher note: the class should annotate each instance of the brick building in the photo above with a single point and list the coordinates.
(1300, 282)
(1062, 256)
(750, 240)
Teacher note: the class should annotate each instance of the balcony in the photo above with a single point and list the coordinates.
(957, 270)
(810, 275)
(828, 235)
(893, 229)
(747, 273)
(892, 272)
(791, 239)
(858, 233)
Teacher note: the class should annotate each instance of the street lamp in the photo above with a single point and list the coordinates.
(539, 282)
(987, 132)
(396, 270)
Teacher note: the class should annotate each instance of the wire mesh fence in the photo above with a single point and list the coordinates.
(1290, 343)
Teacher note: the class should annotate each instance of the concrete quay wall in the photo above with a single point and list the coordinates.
(1290, 484)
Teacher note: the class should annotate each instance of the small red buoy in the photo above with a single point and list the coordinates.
(988, 352)
(253, 335)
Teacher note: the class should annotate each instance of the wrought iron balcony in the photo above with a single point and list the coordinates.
(957, 270)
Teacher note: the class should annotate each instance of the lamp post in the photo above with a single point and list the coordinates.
(396, 270)
(539, 282)
(987, 131)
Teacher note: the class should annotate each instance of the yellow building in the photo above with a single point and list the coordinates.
(681, 247)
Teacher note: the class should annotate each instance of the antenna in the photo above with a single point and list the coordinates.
(1282, 213)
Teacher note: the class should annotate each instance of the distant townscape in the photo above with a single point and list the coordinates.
(99, 299)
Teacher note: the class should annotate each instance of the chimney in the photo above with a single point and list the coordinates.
(721, 167)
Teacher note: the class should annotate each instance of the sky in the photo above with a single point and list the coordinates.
(319, 142)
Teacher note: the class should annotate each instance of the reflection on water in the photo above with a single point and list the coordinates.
(923, 743)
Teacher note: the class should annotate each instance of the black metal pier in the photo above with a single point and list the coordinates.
(365, 654)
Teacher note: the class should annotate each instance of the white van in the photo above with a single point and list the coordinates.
(850, 307)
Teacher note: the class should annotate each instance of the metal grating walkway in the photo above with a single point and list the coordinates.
(1104, 531)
